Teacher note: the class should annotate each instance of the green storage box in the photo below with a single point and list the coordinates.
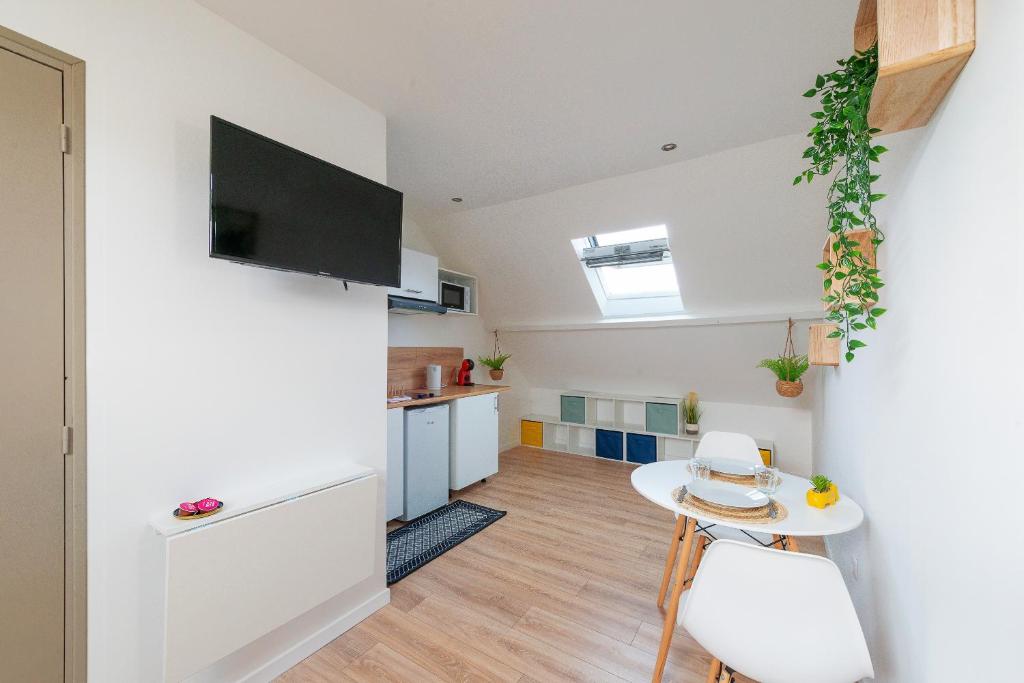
(663, 418)
(574, 409)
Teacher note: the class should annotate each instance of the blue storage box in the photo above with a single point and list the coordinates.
(609, 444)
(642, 448)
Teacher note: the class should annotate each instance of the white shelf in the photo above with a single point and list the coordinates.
(465, 280)
(248, 496)
(628, 398)
(621, 413)
(632, 429)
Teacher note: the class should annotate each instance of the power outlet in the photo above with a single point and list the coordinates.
(855, 568)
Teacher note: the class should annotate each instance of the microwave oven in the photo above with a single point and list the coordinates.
(453, 296)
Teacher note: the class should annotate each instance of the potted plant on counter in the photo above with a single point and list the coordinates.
(496, 363)
(691, 413)
(822, 492)
(788, 370)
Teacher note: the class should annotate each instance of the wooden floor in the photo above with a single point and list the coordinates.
(563, 588)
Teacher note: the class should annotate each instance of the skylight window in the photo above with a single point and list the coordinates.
(631, 271)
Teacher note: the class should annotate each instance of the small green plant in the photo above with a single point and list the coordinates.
(821, 483)
(786, 368)
(495, 362)
(841, 141)
(692, 411)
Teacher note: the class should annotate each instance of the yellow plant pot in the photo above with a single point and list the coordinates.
(823, 500)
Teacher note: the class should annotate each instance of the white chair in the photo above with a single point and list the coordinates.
(775, 616)
(734, 446)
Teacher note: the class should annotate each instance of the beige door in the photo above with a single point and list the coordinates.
(32, 399)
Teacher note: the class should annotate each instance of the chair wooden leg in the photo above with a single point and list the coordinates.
(697, 555)
(673, 550)
(673, 603)
(714, 670)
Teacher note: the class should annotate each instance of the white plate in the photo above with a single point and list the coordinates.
(733, 467)
(726, 494)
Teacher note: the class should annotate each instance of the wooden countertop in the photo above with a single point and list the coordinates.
(449, 393)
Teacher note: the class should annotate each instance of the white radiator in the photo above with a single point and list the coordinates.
(235, 579)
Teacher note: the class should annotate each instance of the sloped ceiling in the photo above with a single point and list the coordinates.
(744, 240)
(494, 100)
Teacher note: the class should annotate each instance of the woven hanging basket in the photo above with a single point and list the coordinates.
(783, 387)
(789, 389)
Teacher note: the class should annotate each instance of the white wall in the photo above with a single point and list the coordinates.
(924, 429)
(202, 374)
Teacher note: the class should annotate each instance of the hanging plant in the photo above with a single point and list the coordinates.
(841, 142)
(496, 360)
(788, 368)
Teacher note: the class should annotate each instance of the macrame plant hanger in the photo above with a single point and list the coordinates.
(497, 346)
(789, 351)
(783, 387)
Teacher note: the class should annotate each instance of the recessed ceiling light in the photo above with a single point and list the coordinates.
(668, 147)
(456, 199)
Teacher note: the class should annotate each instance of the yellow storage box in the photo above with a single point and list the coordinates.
(532, 433)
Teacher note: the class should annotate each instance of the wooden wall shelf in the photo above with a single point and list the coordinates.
(828, 255)
(820, 349)
(922, 46)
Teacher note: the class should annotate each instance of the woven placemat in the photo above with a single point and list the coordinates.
(700, 507)
(741, 479)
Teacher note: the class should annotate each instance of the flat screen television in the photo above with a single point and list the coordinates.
(274, 206)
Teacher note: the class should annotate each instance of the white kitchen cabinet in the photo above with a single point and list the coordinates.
(419, 276)
(395, 498)
(474, 440)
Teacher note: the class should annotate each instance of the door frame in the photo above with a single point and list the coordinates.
(75, 586)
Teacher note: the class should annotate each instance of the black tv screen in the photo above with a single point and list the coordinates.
(274, 206)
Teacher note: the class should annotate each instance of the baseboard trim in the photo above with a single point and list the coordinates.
(295, 654)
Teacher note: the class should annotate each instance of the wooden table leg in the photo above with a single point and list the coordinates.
(695, 564)
(673, 604)
(673, 550)
(714, 670)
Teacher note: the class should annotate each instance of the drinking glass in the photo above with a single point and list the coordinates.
(700, 469)
(767, 480)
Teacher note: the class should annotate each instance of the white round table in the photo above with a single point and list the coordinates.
(657, 480)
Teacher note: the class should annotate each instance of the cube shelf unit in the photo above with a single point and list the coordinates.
(626, 428)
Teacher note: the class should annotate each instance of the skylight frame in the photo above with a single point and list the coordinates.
(617, 306)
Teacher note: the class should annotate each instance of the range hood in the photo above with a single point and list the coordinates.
(402, 305)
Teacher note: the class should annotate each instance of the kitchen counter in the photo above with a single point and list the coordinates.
(449, 393)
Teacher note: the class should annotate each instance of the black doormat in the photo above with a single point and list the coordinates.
(435, 533)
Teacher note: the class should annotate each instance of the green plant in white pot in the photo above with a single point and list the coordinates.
(691, 413)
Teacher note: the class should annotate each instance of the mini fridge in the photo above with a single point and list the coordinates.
(426, 459)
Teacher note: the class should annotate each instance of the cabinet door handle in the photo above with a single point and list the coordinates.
(415, 291)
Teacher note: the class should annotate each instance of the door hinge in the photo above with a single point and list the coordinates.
(65, 139)
(67, 440)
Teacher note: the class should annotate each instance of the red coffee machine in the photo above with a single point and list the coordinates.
(463, 378)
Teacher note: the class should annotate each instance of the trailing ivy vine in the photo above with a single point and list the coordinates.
(841, 142)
